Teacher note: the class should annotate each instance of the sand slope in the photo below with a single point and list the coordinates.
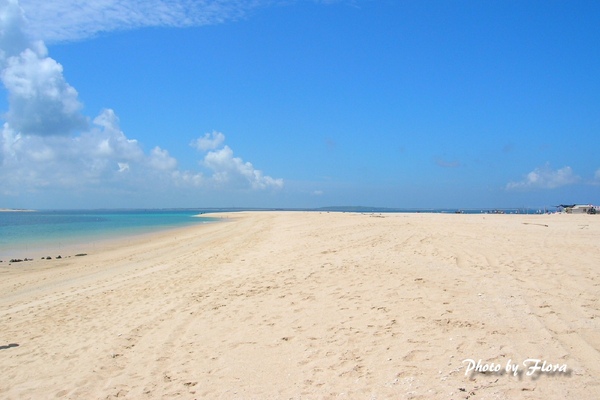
(271, 305)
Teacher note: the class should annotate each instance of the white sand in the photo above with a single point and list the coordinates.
(272, 305)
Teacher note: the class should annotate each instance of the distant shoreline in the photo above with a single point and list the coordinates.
(15, 210)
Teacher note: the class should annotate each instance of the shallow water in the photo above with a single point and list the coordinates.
(23, 232)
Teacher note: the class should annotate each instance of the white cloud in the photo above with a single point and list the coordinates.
(161, 160)
(104, 157)
(41, 102)
(46, 141)
(209, 141)
(545, 178)
(65, 20)
(229, 169)
(187, 178)
(33, 161)
(12, 38)
(68, 20)
(101, 157)
(107, 139)
(123, 167)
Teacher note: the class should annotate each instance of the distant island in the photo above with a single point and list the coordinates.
(14, 210)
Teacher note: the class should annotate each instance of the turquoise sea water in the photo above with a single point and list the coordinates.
(23, 232)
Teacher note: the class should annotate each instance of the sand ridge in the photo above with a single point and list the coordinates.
(312, 305)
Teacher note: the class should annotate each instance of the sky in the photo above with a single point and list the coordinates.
(299, 103)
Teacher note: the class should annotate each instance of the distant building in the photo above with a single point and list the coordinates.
(580, 209)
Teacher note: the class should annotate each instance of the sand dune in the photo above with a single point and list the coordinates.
(290, 305)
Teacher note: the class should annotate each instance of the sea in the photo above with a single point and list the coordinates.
(27, 233)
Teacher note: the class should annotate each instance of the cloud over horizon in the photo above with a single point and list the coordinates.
(209, 141)
(46, 141)
(227, 168)
(545, 178)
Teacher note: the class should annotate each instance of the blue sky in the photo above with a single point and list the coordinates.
(299, 103)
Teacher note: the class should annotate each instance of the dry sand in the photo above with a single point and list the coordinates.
(280, 305)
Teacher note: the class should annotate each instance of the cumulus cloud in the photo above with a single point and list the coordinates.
(227, 169)
(161, 160)
(107, 140)
(12, 38)
(41, 102)
(546, 178)
(105, 157)
(33, 161)
(123, 167)
(102, 157)
(209, 141)
(46, 141)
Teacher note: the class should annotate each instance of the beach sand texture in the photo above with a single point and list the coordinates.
(291, 305)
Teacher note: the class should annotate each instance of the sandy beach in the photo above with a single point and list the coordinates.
(310, 305)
